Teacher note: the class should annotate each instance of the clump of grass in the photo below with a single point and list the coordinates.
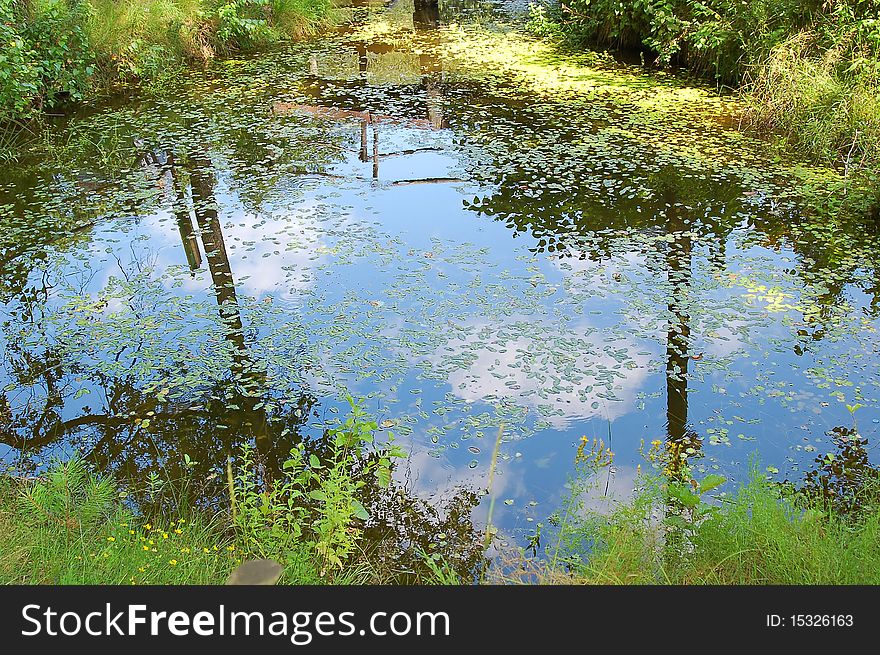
(824, 100)
(762, 534)
(301, 18)
(763, 537)
(71, 526)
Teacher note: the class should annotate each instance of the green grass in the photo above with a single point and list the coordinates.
(823, 101)
(760, 535)
(71, 527)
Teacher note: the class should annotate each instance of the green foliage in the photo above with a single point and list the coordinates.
(669, 533)
(810, 70)
(45, 54)
(713, 36)
(544, 21)
(317, 501)
(55, 49)
(243, 22)
(819, 89)
(71, 526)
(69, 497)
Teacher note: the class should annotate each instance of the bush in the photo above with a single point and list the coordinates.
(54, 49)
(810, 71)
(45, 56)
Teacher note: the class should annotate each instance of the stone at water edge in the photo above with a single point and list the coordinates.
(256, 572)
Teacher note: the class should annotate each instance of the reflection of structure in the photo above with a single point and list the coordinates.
(246, 374)
(347, 100)
(372, 121)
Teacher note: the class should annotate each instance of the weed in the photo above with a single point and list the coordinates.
(316, 502)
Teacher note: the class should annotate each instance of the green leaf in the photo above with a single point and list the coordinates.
(711, 481)
(314, 462)
(360, 511)
(317, 494)
(683, 495)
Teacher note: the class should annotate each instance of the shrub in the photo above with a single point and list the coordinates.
(45, 55)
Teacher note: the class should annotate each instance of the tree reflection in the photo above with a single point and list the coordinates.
(845, 480)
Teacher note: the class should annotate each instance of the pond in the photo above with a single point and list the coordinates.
(473, 232)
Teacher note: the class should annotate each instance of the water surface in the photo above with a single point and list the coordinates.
(466, 228)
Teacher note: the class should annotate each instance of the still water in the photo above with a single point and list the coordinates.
(463, 227)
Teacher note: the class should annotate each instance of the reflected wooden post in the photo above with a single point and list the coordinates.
(205, 209)
(364, 155)
(375, 148)
(679, 437)
(682, 442)
(362, 58)
(190, 243)
(245, 373)
(678, 263)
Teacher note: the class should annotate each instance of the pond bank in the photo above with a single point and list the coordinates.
(57, 51)
(808, 71)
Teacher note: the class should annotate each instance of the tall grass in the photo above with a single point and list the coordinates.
(759, 535)
(71, 527)
(825, 100)
(54, 49)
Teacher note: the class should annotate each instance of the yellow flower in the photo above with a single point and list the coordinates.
(148, 526)
(142, 569)
(206, 550)
(180, 521)
(131, 532)
(178, 531)
(164, 535)
(230, 547)
(172, 562)
(146, 548)
(111, 538)
(152, 543)
(185, 550)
